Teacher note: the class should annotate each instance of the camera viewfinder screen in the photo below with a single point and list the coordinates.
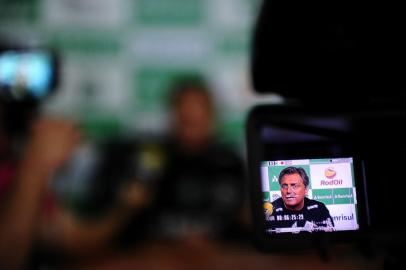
(25, 73)
(309, 195)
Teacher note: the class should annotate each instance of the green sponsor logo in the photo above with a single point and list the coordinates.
(14, 11)
(101, 127)
(169, 12)
(266, 196)
(234, 43)
(323, 195)
(274, 183)
(343, 196)
(99, 43)
(334, 196)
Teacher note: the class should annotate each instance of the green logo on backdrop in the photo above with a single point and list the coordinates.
(334, 196)
(323, 195)
(169, 12)
(343, 196)
(98, 42)
(266, 196)
(234, 43)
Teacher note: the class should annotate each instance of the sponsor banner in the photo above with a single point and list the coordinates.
(266, 196)
(273, 178)
(343, 196)
(331, 175)
(175, 13)
(90, 13)
(334, 196)
(81, 42)
(232, 43)
(323, 195)
(209, 36)
(18, 11)
(344, 216)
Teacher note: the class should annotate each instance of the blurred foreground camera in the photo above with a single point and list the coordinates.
(28, 75)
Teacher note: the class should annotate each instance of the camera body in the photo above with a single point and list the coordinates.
(349, 153)
(335, 64)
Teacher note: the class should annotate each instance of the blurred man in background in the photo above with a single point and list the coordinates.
(200, 192)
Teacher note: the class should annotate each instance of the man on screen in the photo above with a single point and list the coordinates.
(294, 212)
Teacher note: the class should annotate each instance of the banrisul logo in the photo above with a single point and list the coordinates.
(330, 172)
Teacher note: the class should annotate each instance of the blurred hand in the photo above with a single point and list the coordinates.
(51, 143)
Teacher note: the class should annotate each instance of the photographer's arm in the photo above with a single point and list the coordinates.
(78, 238)
(50, 144)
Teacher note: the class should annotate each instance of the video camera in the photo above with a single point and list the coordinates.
(28, 75)
(334, 64)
